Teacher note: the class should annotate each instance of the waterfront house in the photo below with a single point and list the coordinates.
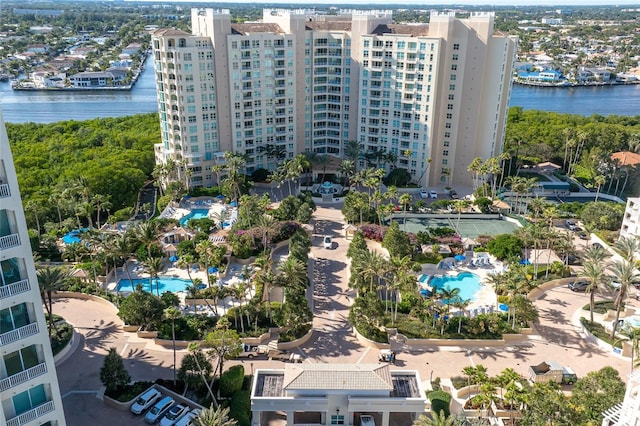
(108, 78)
(337, 394)
(132, 49)
(48, 79)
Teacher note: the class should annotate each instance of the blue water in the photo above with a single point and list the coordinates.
(73, 236)
(171, 284)
(43, 107)
(194, 214)
(467, 282)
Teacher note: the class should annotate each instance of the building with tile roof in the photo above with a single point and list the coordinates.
(333, 394)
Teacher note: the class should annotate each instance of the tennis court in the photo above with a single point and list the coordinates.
(467, 228)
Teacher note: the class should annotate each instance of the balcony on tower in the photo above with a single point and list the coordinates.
(21, 366)
(5, 191)
(17, 322)
(14, 278)
(28, 406)
(8, 230)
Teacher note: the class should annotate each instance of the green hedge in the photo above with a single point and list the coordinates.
(231, 380)
(240, 408)
(440, 401)
(130, 391)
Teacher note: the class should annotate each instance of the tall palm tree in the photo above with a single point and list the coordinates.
(474, 168)
(293, 273)
(147, 233)
(214, 417)
(154, 266)
(625, 273)
(596, 275)
(369, 267)
(172, 313)
(599, 181)
(51, 279)
(204, 249)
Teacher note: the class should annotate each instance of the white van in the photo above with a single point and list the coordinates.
(145, 401)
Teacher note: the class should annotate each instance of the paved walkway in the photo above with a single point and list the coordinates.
(333, 341)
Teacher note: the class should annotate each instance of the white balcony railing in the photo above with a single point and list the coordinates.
(9, 241)
(4, 190)
(19, 333)
(32, 414)
(23, 376)
(15, 288)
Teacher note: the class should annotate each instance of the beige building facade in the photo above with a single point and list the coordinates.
(426, 98)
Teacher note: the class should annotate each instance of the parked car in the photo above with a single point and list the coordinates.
(424, 193)
(571, 225)
(597, 245)
(146, 400)
(327, 242)
(174, 414)
(453, 194)
(158, 410)
(578, 286)
(187, 420)
(583, 235)
(433, 193)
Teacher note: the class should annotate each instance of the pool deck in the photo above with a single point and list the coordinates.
(172, 271)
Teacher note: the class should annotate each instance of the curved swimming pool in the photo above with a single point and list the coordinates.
(194, 214)
(468, 283)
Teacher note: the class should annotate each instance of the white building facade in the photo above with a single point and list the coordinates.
(626, 413)
(631, 220)
(337, 394)
(426, 98)
(29, 392)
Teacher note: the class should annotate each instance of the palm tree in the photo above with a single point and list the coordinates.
(172, 313)
(474, 168)
(595, 273)
(214, 417)
(204, 250)
(436, 419)
(629, 246)
(51, 279)
(147, 234)
(625, 273)
(599, 181)
(154, 266)
(293, 273)
(370, 266)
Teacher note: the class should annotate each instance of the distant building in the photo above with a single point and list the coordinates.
(626, 158)
(29, 391)
(48, 79)
(631, 220)
(338, 394)
(38, 48)
(552, 21)
(546, 76)
(108, 78)
(430, 97)
(39, 12)
(132, 49)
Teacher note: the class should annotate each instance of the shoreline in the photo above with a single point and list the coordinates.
(567, 84)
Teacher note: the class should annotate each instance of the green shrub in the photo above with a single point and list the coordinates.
(292, 335)
(602, 306)
(129, 392)
(598, 330)
(60, 337)
(440, 401)
(231, 380)
(240, 407)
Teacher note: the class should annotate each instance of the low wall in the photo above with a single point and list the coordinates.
(147, 334)
(295, 343)
(537, 292)
(370, 343)
(125, 406)
(83, 296)
(180, 344)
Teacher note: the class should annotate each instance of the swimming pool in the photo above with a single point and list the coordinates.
(74, 236)
(194, 214)
(171, 284)
(467, 282)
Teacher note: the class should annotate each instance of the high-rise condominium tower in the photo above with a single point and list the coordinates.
(29, 390)
(426, 98)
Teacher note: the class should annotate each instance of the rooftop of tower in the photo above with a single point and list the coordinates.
(170, 32)
(402, 29)
(255, 27)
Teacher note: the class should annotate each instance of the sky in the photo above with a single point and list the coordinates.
(397, 3)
